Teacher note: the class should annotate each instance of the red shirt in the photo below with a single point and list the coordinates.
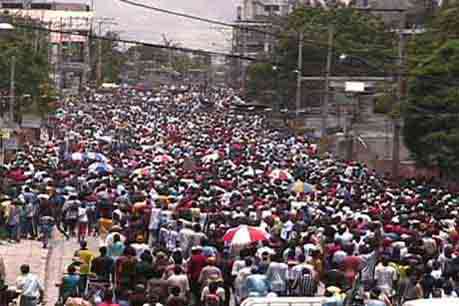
(195, 266)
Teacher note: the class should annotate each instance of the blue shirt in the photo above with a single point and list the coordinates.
(257, 285)
(116, 250)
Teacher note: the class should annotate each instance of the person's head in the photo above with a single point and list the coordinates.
(196, 250)
(103, 251)
(71, 269)
(83, 245)
(385, 261)
(116, 238)
(25, 269)
(177, 257)
(211, 261)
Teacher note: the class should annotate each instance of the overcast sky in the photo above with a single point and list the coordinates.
(145, 25)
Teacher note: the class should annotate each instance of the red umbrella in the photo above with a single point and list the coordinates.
(280, 174)
(243, 235)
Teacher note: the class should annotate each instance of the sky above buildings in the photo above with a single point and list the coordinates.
(149, 26)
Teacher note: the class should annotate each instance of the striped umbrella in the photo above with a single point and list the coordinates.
(243, 235)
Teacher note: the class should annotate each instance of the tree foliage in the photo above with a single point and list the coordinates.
(113, 58)
(431, 113)
(30, 51)
(360, 35)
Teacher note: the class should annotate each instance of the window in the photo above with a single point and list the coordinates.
(12, 5)
(41, 6)
(272, 8)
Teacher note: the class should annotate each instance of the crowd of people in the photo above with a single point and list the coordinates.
(198, 203)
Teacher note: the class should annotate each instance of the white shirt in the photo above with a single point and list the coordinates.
(82, 214)
(237, 266)
(154, 219)
(385, 277)
(29, 285)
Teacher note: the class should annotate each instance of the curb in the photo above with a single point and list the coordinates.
(51, 247)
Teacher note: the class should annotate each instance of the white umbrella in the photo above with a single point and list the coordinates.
(211, 157)
(77, 156)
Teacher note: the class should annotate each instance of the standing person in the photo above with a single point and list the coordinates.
(83, 220)
(409, 288)
(70, 213)
(179, 280)
(196, 263)
(155, 223)
(385, 276)
(116, 249)
(46, 224)
(277, 275)
(70, 284)
(13, 222)
(103, 266)
(226, 266)
(85, 257)
(28, 228)
(210, 272)
(30, 287)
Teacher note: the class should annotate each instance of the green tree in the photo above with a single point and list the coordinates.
(113, 58)
(30, 52)
(360, 35)
(431, 112)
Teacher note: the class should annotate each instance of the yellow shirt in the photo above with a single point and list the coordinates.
(86, 257)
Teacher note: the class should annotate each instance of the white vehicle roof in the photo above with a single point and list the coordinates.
(434, 302)
(285, 301)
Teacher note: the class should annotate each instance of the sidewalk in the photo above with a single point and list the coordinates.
(28, 252)
(60, 258)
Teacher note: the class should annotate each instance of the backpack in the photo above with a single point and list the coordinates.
(212, 299)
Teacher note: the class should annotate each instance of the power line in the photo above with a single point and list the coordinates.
(246, 28)
(198, 18)
(206, 52)
(151, 45)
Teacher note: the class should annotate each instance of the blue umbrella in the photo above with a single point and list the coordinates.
(100, 168)
(96, 157)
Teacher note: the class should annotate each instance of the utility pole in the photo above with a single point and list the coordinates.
(99, 56)
(331, 34)
(400, 95)
(299, 75)
(12, 89)
(99, 70)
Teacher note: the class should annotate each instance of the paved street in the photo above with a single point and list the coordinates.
(48, 264)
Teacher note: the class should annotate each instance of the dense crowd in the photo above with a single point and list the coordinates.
(197, 203)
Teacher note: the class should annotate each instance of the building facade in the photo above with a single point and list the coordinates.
(68, 53)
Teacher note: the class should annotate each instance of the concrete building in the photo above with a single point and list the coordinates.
(253, 18)
(68, 54)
